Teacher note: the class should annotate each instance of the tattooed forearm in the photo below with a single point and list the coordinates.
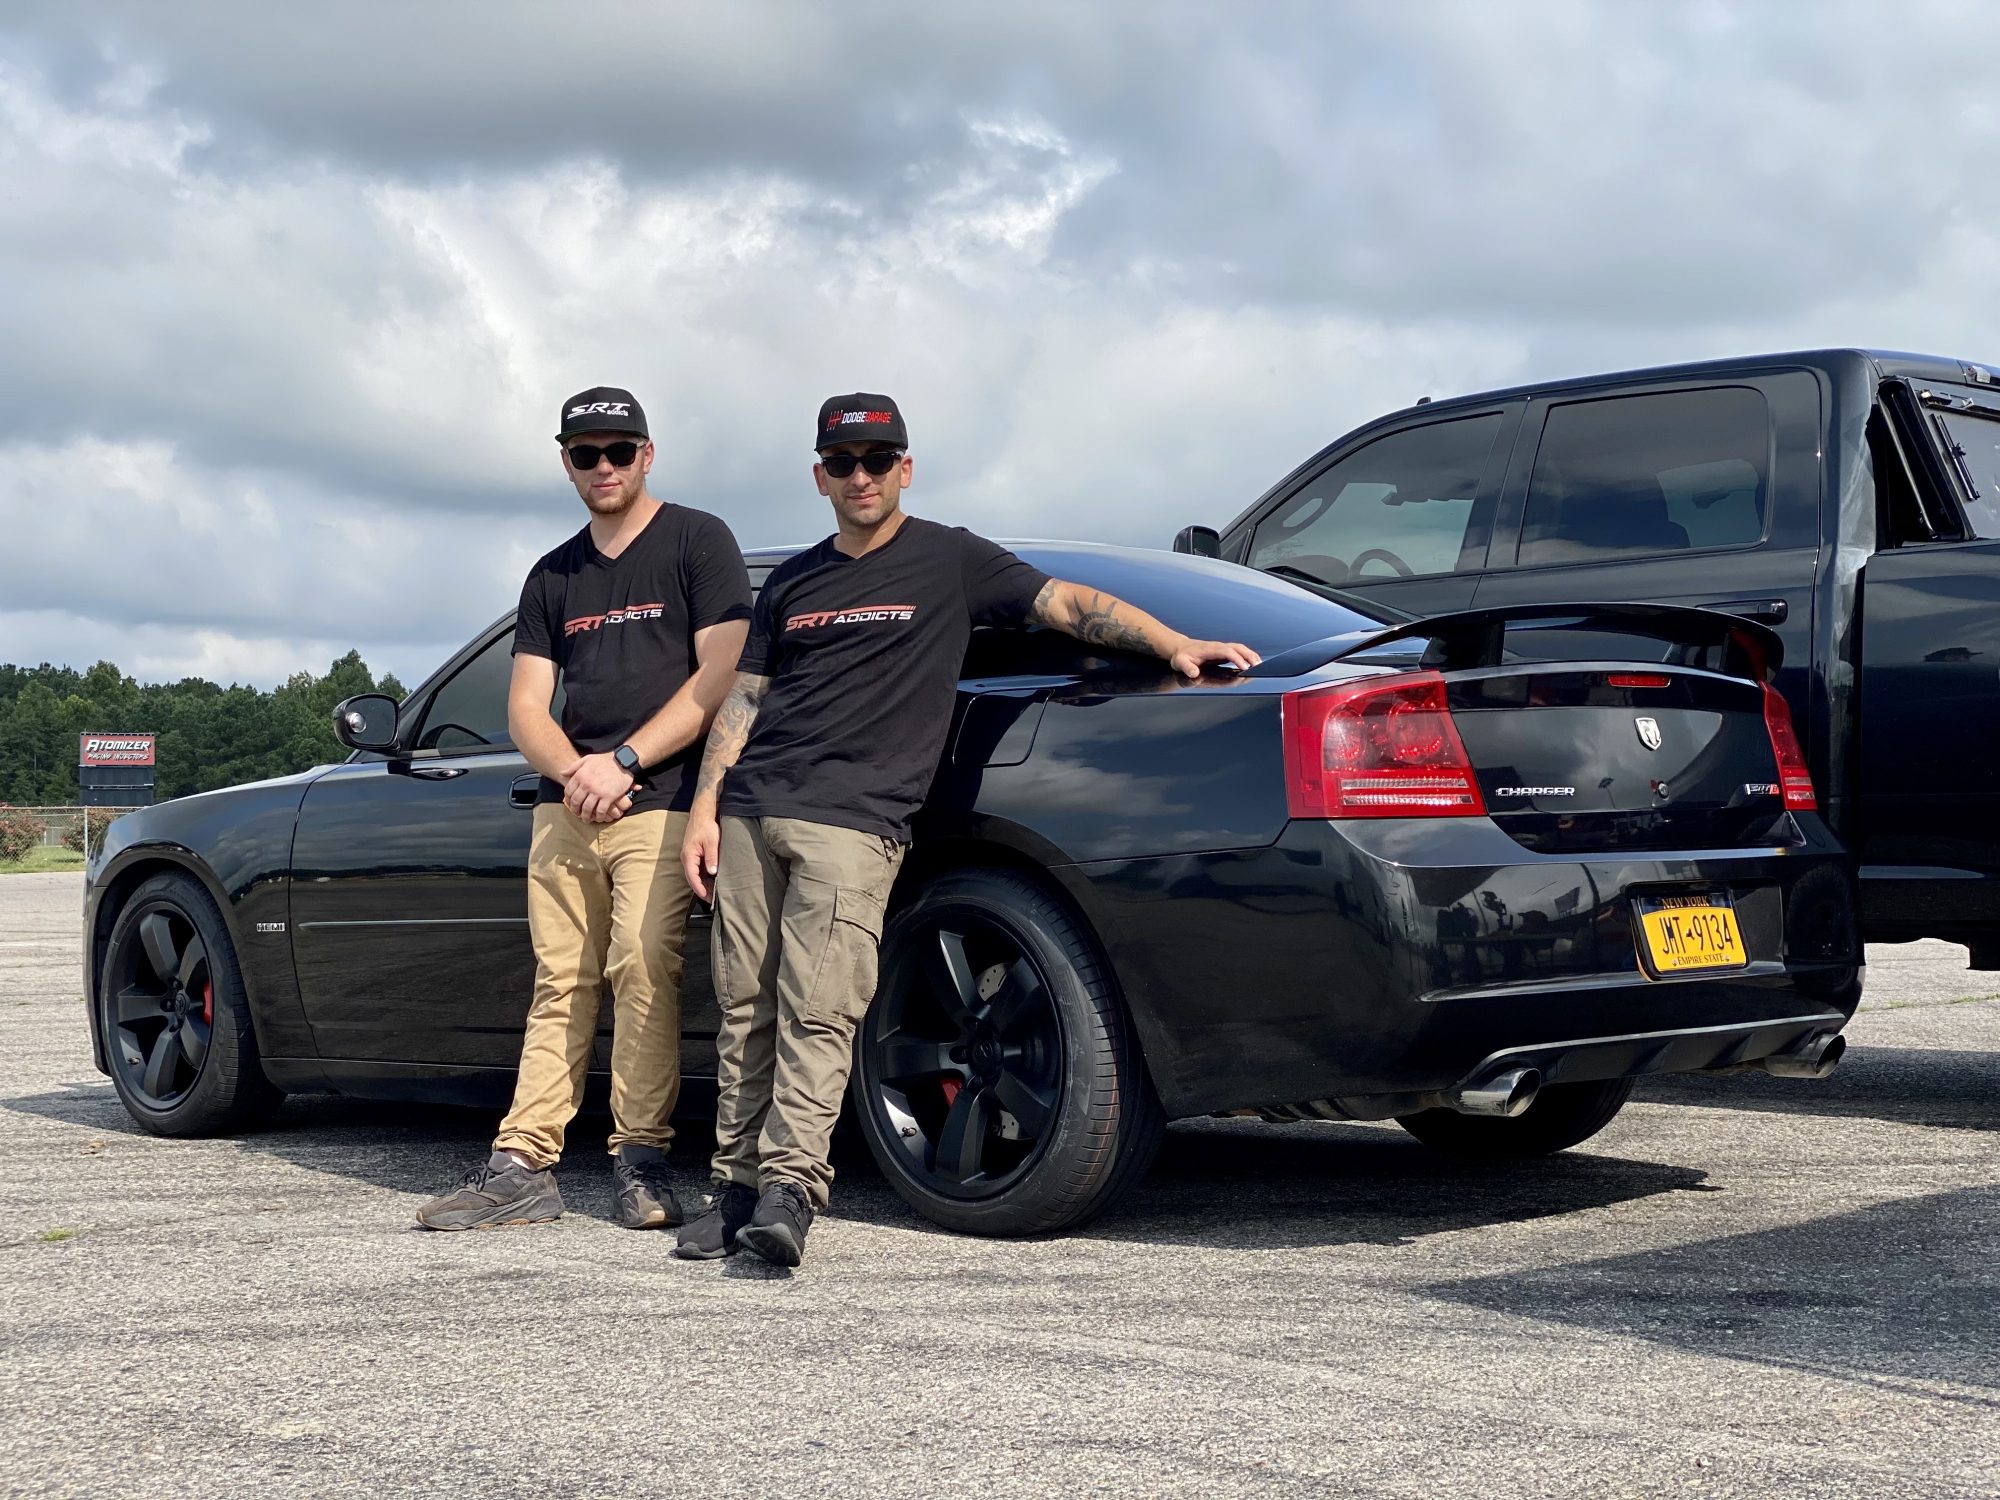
(1097, 621)
(1043, 610)
(730, 732)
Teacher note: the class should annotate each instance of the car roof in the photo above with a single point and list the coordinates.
(1204, 596)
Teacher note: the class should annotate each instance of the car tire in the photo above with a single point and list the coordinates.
(998, 1080)
(1562, 1115)
(170, 947)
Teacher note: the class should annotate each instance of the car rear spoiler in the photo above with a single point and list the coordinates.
(1478, 637)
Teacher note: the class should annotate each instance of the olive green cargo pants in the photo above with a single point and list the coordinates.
(798, 928)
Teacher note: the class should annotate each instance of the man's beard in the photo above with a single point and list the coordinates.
(617, 506)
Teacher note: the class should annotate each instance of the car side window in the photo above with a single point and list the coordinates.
(1400, 507)
(1634, 476)
(468, 712)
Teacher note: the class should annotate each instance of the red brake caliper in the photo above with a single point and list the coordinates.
(951, 1083)
(208, 1002)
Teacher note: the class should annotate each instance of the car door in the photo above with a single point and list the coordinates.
(1401, 515)
(1929, 828)
(1703, 493)
(409, 894)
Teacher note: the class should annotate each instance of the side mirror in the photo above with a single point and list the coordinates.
(366, 722)
(1199, 541)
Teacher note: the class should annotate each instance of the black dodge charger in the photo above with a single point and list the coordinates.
(1475, 873)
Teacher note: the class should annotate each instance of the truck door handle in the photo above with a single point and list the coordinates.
(525, 790)
(1764, 611)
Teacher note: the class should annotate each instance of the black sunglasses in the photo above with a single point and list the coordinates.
(585, 455)
(878, 463)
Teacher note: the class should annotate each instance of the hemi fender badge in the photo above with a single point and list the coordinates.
(270, 926)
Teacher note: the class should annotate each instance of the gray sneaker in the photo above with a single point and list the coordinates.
(645, 1200)
(489, 1196)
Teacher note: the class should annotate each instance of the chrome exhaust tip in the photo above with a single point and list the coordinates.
(1816, 1057)
(1505, 1094)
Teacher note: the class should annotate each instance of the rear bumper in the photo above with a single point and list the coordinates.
(1380, 957)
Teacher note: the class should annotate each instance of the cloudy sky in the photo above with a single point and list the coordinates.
(289, 295)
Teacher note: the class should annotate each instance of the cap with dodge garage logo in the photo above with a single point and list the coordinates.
(860, 418)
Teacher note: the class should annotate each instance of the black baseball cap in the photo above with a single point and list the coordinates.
(860, 418)
(602, 408)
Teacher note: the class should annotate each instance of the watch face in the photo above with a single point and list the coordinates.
(627, 757)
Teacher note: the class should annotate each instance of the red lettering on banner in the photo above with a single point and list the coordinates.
(116, 750)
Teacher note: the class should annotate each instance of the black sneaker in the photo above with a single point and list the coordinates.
(645, 1201)
(712, 1233)
(489, 1196)
(777, 1230)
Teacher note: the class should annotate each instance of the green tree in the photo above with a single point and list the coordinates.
(209, 736)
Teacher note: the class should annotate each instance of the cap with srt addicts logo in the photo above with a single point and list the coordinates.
(602, 408)
(860, 418)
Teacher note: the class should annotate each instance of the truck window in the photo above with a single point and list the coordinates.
(1400, 507)
(1976, 440)
(1628, 476)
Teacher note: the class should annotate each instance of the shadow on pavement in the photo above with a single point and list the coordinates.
(1889, 1295)
(1902, 1085)
(1247, 1185)
(1217, 1183)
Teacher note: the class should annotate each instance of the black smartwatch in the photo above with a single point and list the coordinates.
(627, 758)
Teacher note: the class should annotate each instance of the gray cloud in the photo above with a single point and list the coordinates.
(291, 292)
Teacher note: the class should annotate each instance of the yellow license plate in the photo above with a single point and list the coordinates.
(1691, 932)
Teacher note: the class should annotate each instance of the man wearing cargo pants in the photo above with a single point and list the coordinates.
(642, 614)
(819, 757)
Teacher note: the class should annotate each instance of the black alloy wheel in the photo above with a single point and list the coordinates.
(175, 1020)
(162, 1008)
(997, 1078)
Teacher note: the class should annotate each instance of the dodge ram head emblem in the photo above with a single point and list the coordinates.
(1649, 731)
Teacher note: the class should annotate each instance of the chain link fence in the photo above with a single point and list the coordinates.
(64, 827)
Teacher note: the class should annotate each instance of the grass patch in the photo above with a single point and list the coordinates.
(43, 857)
(56, 1236)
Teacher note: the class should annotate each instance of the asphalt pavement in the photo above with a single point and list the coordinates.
(1745, 1287)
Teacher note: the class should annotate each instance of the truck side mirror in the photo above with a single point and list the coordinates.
(366, 722)
(1199, 541)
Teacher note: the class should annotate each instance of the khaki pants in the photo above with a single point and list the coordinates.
(605, 901)
(798, 927)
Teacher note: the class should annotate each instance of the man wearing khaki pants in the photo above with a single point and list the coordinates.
(823, 750)
(642, 613)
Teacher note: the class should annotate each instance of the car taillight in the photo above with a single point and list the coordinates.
(1377, 749)
(1793, 777)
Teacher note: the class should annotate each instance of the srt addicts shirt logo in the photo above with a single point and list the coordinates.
(613, 617)
(861, 614)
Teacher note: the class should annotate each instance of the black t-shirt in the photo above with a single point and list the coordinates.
(621, 633)
(864, 655)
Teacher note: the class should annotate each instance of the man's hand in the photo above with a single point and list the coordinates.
(596, 789)
(1191, 656)
(701, 853)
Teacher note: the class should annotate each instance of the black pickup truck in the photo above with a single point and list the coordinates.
(1848, 498)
